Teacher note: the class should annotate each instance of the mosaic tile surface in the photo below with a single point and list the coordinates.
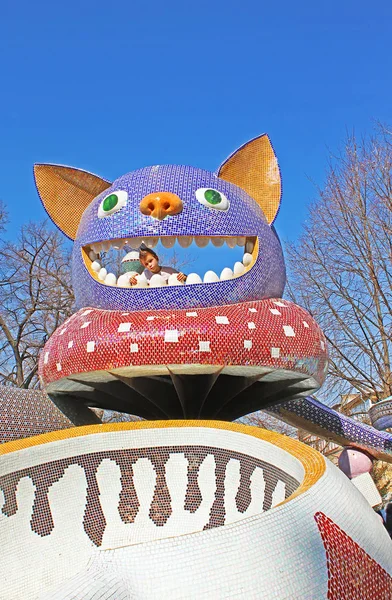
(313, 416)
(352, 573)
(24, 413)
(271, 341)
(201, 502)
(183, 509)
(211, 208)
(381, 414)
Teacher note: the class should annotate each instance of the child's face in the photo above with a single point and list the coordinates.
(150, 263)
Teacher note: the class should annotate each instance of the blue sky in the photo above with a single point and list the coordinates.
(113, 86)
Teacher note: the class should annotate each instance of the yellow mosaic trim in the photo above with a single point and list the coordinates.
(312, 461)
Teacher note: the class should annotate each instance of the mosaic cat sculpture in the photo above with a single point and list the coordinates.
(243, 343)
(184, 508)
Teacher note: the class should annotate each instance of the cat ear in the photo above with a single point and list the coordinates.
(65, 193)
(254, 168)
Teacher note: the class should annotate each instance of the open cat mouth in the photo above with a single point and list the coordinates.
(94, 255)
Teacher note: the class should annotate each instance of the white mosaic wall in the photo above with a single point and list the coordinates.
(245, 551)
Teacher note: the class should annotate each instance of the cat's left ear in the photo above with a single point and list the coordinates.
(254, 168)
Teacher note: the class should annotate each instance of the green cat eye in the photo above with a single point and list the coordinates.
(212, 199)
(212, 196)
(110, 202)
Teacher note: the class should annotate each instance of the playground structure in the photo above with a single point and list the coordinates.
(185, 504)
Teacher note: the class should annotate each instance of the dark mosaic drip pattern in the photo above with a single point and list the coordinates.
(94, 522)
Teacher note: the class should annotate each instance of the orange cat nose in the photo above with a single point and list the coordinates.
(160, 205)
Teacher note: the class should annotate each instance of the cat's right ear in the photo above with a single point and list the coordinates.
(66, 192)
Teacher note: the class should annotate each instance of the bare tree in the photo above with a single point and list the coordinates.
(267, 421)
(35, 298)
(3, 216)
(114, 416)
(382, 476)
(341, 267)
(179, 261)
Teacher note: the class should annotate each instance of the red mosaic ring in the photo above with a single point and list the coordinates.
(189, 363)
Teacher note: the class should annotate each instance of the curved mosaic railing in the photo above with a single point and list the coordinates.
(85, 504)
(381, 414)
(315, 417)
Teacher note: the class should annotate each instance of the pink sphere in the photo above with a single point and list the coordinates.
(354, 462)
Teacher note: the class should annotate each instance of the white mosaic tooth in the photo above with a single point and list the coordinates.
(102, 274)
(151, 242)
(210, 277)
(201, 241)
(247, 259)
(134, 242)
(92, 255)
(193, 278)
(217, 241)
(157, 281)
(226, 274)
(96, 266)
(123, 280)
(239, 268)
(168, 242)
(241, 241)
(231, 242)
(97, 247)
(141, 281)
(185, 240)
(110, 279)
(118, 244)
(249, 246)
(173, 280)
